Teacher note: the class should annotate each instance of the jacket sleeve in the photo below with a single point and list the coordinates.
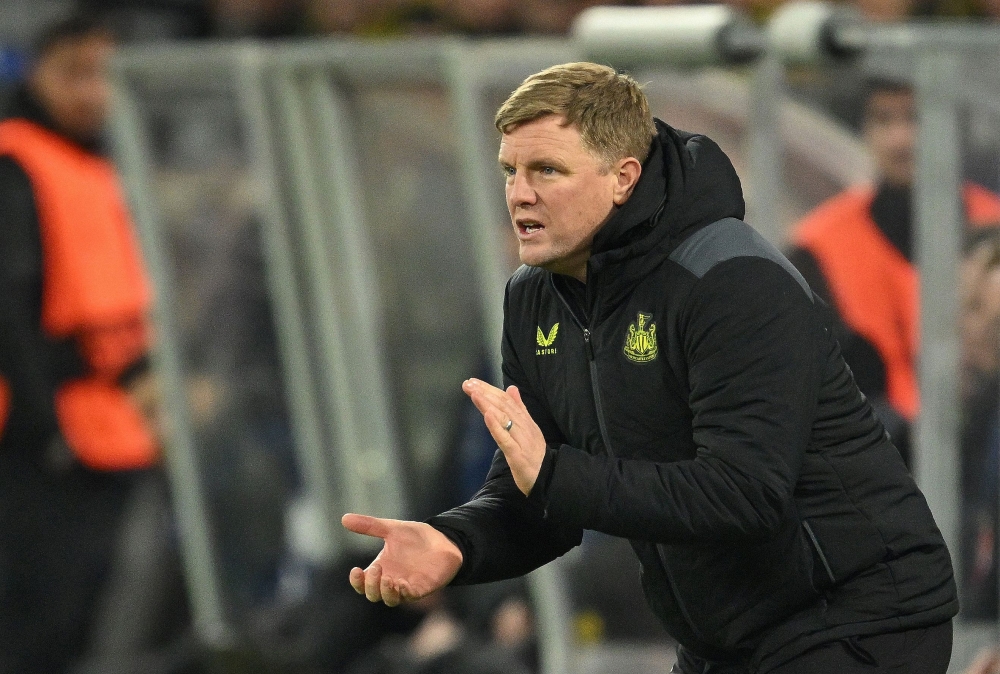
(750, 338)
(29, 360)
(864, 359)
(501, 532)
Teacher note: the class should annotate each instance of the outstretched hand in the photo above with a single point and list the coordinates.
(415, 561)
(522, 443)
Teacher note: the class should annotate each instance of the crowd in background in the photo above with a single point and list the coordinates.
(458, 632)
(159, 19)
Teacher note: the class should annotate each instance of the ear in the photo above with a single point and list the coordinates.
(627, 172)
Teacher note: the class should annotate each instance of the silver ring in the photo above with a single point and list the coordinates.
(509, 425)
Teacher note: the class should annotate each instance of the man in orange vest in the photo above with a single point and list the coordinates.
(856, 251)
(74, 334)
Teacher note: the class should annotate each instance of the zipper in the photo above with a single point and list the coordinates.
(819, 551)
(599, 409)
(597, 392)
(592, 365)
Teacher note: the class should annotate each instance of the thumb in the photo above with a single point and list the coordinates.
(366, 525)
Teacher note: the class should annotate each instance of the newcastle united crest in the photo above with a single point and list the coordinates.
(640, 342)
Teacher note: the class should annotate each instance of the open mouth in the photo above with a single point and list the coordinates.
(527, 227)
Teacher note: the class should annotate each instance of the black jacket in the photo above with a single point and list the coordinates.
(891, 212)
(694, 401)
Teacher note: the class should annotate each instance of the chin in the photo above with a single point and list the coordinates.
(553, 263)
(533, 258)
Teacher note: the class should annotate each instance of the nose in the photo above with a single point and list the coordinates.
(519, 191)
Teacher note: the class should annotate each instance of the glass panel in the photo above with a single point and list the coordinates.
(874, 96)
(235, 387)
(424, 260)
(979, 330)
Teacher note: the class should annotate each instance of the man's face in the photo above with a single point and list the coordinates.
(980, 327)
(71, 82)
(559, 194)
(891, 133)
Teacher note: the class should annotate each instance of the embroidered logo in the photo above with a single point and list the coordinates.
(545, 347)
(640, 342)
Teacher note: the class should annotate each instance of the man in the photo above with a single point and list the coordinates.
(74, 331)
(856, 252)
(671, 379)
(980, 438)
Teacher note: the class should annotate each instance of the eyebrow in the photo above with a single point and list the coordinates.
(538, 163)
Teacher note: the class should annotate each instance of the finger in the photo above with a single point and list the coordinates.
(358, 580)
(476, 384)
(489, 392)
(373, 583)
(524, 424)
(509, 408)
(366, 525)
(390, 595)
(497, 428)
(493, 401)
(516, 396)
(406, 593)
(487, 407)
(509, 402)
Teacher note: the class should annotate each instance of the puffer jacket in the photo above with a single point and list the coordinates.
(695, 402)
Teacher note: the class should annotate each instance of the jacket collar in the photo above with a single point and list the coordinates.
(687, 182)
(25, 106)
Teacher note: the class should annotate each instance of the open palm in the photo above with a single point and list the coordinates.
(415, 560)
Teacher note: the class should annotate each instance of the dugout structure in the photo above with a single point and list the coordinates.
(363, 176)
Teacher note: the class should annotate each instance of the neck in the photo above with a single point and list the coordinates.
(28, 105)
(573, 270)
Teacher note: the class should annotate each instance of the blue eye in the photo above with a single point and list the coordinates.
(548, 170)
(507, 170)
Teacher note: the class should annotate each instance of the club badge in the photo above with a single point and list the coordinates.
(640, 342)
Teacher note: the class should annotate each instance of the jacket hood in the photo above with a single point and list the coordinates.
(687, 182)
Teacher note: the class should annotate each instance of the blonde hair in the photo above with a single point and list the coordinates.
(609, 108)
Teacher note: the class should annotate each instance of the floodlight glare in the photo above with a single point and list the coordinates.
(681, 35)
(801, 33)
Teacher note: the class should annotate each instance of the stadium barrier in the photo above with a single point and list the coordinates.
(294, 106)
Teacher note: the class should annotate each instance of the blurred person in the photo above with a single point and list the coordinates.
(397, 17)
(987, 9)
(980, 438)
(78, 404)
(151, 20)
(448, 640)
(374, 18)
(478, 17)
(671, 379)
(885, 11)
(856, 252)
(336, 16)
(549, 17)
(255, 18)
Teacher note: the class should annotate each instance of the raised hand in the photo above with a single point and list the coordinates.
(516, 433)
(415, 561)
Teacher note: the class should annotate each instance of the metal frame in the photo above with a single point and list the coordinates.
(283, 286)
(939, 224)
(288, 95)
(180, 457)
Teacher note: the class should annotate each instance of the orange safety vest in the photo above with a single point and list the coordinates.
(874, 287)
(94, 289)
